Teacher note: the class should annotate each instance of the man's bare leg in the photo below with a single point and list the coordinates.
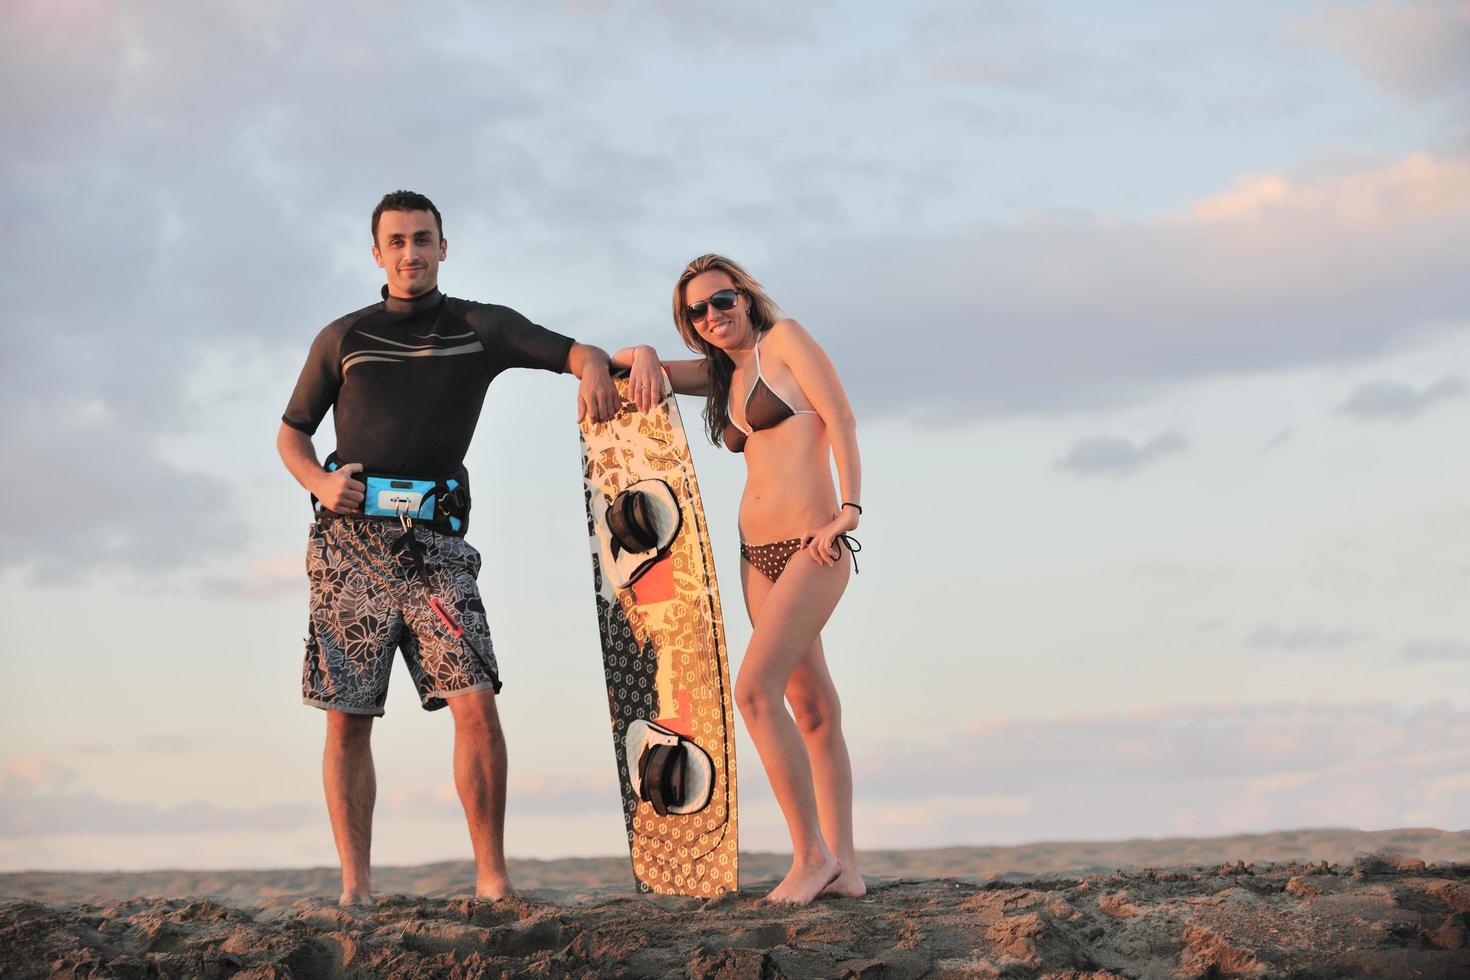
(352, 789)
(479, 775)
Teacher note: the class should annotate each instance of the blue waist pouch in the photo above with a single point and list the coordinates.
(390, 496)
(443, 504)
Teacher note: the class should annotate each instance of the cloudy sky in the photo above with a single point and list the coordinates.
(1155, 317)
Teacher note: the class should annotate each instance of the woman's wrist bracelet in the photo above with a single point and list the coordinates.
(856, 507)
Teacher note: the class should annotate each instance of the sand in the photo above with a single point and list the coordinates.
(1308, 904)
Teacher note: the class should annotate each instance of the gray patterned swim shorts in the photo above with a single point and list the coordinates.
(367, 602)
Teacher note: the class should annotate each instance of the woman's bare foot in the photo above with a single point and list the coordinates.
(804, 882)
(494, 887)
(848, 884)
(359, 899)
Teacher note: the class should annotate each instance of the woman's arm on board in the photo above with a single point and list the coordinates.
(644, 369)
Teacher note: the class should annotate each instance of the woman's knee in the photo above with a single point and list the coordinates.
(817, 712)
(756, 697)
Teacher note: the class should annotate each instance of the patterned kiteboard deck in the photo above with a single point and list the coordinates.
(663, 651)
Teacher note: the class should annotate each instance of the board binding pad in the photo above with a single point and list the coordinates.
(663, 649)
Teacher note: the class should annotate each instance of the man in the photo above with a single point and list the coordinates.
(406, 378)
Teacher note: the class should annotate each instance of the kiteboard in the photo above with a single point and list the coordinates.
(663, 650)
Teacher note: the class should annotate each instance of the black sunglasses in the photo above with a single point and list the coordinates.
(723, 300)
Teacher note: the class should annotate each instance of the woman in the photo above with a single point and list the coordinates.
(773, 395)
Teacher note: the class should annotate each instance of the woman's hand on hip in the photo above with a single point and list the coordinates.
(821, 544)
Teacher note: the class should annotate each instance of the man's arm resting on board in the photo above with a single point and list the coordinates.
(596, 395)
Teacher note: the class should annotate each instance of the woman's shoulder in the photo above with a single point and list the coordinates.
(786, 333)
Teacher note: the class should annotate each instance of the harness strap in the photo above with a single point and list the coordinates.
(452, 503)
(408, 543)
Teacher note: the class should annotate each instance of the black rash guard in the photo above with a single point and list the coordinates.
(406, 378)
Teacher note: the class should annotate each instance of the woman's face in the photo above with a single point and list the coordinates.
(726, 329)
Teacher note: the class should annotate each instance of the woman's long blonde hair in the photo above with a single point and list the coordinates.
(763, 315)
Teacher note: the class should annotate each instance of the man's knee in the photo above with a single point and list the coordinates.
(347, 730)
(475, 715)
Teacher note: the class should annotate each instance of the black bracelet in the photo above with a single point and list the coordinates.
(857, 507)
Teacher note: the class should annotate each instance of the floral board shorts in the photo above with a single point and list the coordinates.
(367, 602)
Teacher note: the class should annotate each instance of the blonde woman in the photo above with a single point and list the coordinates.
(773, 396)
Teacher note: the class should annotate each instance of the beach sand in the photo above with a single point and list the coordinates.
(1305, 904)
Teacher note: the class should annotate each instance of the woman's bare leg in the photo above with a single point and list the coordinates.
(818, 710)
(788, 617)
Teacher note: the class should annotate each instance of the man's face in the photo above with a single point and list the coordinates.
(409, 249)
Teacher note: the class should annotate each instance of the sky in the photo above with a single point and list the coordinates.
(1155, 318)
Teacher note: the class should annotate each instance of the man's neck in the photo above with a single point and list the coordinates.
(395, 294)
(410, 304)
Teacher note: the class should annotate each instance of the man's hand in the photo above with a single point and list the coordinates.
(596, 396)
(338, 491)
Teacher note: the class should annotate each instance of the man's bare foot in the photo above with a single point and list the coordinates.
(804, 882)
(351, 898)
(493, 888)
(849, 884)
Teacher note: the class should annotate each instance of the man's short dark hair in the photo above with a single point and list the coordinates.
(405, 201)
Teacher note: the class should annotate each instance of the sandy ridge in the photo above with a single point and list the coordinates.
(613, 875)
(1316, 904)
(1375, 918)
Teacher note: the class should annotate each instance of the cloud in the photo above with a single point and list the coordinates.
(50, 814)
(190, 176)
(1304, 638)
(1171, 770)
(1177, 770)
(761, 24)
(1071, 313)
(1118, 457)
(39, 800)
(170, 743)
(1031, 63)
(566, 792)
(39, 797)
(1438, 650)
(263, 578)
(1419, 51)
(1001, 45)
(109, 499)
(1196, 574)
(1398, 401)
(1281, 438)
(32, 773)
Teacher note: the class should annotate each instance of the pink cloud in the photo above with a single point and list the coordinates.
(1416, 50)
(1282, 270)
(1178, 770)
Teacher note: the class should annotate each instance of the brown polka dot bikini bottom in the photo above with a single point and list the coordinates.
(771, 559)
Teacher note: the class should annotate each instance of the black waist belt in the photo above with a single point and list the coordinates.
(439, 503)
